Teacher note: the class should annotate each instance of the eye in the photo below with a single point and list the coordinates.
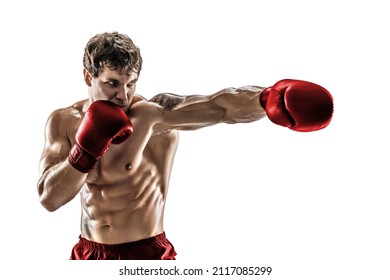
(132, 83)
(112, 83)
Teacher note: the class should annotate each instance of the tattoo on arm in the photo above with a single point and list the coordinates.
(167, 101)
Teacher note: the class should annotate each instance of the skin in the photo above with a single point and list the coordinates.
(123, 197)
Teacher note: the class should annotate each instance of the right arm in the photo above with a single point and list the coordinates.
(60, 181)
(64, 168)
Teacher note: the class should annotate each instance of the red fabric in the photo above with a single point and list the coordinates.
(153, 248)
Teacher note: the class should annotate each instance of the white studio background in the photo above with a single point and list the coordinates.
(311, 205)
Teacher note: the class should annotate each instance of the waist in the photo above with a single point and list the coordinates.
(157, 239)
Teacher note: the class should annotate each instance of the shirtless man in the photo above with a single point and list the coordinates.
(116, 148)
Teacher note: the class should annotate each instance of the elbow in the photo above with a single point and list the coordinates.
(45, 200)
(48, 205)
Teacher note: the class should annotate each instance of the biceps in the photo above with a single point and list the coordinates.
(57, 144)
(53, 154)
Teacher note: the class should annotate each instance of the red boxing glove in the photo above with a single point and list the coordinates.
(298, 105)
(104, 123)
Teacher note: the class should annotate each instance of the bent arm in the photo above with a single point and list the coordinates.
(60, 181)
(230, 105)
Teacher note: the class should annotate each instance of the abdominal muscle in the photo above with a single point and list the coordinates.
(123, 212)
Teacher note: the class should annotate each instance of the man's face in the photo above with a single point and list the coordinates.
(112, 85)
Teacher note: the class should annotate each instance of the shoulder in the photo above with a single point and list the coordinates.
(74, 111)
(152, 106)
(150, 112)
(62, 121)
(142, 110)
(167, 101)
(164, 101)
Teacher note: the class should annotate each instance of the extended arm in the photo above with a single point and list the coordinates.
(296, 104)
(230, 105)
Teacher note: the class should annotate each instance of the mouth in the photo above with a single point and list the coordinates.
(121, 104)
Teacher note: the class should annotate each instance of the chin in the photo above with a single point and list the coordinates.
(125, 108)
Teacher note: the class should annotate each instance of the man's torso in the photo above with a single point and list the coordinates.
(123, 198)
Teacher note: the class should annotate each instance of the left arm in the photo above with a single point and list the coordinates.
(230, 105)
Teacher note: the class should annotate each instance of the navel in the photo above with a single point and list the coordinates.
(128, 166)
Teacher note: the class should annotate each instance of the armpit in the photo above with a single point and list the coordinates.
(167, 101)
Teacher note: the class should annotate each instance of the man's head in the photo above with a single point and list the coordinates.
(112, 64)
(117, 51)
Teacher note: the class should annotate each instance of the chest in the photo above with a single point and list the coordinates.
(121, 161)
(141, 156)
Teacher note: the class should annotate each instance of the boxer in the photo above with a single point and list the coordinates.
(116, 148)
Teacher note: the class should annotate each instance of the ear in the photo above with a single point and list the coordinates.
(87, 77)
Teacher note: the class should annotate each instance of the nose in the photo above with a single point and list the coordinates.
(122, 95)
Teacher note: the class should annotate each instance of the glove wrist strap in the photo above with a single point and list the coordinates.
(81, 160)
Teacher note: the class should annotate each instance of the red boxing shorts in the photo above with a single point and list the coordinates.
(153, 248)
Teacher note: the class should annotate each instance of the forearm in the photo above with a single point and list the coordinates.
(59, 184)
(241, 105)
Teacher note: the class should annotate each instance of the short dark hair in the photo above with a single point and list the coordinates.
(114, 49)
